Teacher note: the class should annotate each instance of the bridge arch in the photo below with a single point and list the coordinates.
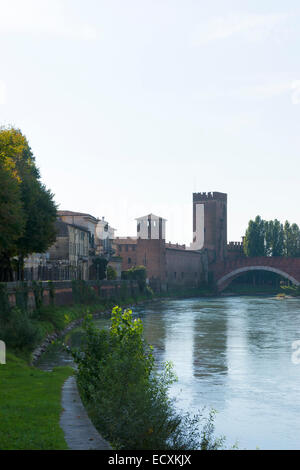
(225, 280)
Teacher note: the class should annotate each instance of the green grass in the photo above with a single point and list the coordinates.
(30, 406)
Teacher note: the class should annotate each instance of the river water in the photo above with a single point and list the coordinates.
(233, 354)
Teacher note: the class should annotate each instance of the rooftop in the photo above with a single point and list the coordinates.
(150, 216)
(74, 214)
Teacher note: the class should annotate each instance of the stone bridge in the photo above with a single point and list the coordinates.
(226, 271)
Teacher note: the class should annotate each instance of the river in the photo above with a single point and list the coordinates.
(233, 354)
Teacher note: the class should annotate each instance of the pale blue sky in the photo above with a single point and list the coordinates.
(131, 105)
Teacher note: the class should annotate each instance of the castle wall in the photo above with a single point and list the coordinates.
(152, 255)
(185, 267)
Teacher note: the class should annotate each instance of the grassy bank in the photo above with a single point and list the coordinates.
(30, 406)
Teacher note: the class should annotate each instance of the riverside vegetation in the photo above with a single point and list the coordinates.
(30, 405)
(29, 395)
(125, 395)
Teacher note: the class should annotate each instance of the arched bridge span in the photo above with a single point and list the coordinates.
(225, 272)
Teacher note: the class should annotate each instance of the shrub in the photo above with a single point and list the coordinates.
(19, 331)
(125, 395)
(83, 293)
(51, 293)
(4, 303)
(22, 296)
(291, 290)
(38, 292)
(111, 273)
(139, 274)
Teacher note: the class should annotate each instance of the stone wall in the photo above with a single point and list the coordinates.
(63, 291)
(185, 267)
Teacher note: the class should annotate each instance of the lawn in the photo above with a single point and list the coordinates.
(30, 406)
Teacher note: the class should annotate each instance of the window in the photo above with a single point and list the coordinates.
(120, 247)
(126, 247)
(129, 260)
(138, 227)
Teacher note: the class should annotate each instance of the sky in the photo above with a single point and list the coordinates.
(131, 106)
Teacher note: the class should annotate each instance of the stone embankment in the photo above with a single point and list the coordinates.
(52, 337)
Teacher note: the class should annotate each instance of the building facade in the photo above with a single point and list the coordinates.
(71, 249)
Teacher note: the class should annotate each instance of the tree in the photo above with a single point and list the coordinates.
(274, 236)
(139, 274)
(291, 239)
(11, 219)
(111, 273)
(98, 268)
(254, 241)
(27, 208)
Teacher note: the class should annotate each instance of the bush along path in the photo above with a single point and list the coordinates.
(127, 398)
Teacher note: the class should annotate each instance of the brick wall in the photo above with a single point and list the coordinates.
(63, 291)
(185, 267)
(152, 255)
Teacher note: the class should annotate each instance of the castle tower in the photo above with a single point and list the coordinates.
(151, 227)
(210, 224)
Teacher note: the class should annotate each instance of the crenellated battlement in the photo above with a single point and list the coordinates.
(210, 196)
(233, 246)
(175, 246)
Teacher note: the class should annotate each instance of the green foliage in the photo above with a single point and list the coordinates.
(51, 292)
(38, 292)
(274, 238)
(31, 406)
(291, 240)
(125, 395)
(254, 241)
(12, 220)
(19, 331)
(111, 273)
(291, 290)
(22, 296)
(139, 274)
(98, 268)
(27, 210)
(83, 293)
(271, 238)
(4, 303)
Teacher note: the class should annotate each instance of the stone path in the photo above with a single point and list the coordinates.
(80, 433)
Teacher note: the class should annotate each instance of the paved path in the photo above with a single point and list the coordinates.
(80, 433)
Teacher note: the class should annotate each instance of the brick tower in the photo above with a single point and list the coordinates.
(151, 251)
(210, 224)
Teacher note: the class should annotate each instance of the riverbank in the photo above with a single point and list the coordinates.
(53, 322)
(31, 406)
